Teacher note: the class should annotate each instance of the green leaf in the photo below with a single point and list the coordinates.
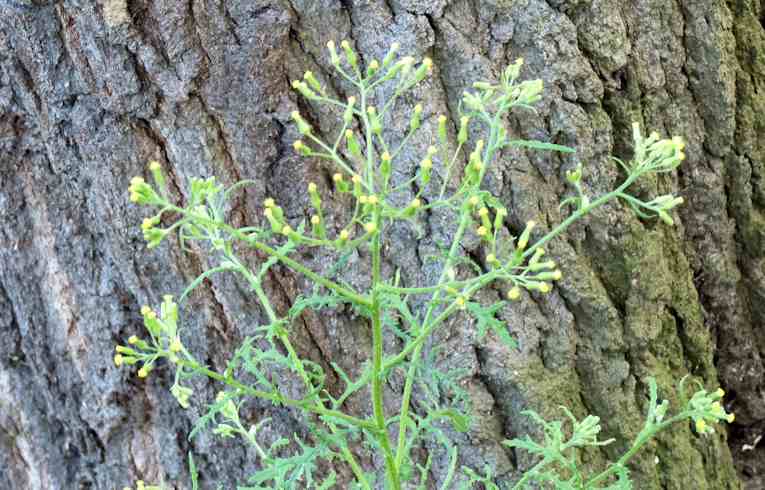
(314, 302)
(225, 266)
(460, 421)
(486, 320)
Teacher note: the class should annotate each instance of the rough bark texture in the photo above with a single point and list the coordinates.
(91, 91)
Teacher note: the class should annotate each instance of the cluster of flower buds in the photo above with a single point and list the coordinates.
(511, 73)
(275, 215)
(537, 274)
(475, 166)
(151, 233)
(165, 342)
(182, 394)
(509, 92)
(708, 410)
(309, 86)
(230, 413)
(385, 70)
(528, 92)
(141, 192)
(662, 204)
(574, 177)
(653, 154)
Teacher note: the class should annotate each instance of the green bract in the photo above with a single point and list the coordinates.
(365, 164)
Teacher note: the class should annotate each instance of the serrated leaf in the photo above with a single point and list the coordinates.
(226, 266)
(485, 316)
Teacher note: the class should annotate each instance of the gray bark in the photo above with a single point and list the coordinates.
(91, 91)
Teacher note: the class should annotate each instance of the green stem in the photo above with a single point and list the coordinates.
(580, 213)
(392, 468)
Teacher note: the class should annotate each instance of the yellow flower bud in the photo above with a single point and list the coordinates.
(356, 179)
(154, 165)
(297, 145)
(483, 211)
(428, 63)
(344, 235)
(370, 227)
(701, 426)
(373, 65)
(372, 200)
(416, 203)
(145, 310)
(311, 187)
(143, 372)
(338, 177)
(315, 220)
(118, 360)
(363, 199)
(269, 203)
(133, 340)
(731, 417)
(557, 275)
(474, 201)
(482, 231)
(491, 258)
(720, 392)
(268, 213)
(371, 110)
(286, 230)
(544, 288)
(514, 293)
(175, 345)
(432, 150)
(426, 164)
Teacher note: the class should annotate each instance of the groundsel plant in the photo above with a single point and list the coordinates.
(447, 177)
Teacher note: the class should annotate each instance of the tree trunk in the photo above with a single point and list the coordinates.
(91, 91)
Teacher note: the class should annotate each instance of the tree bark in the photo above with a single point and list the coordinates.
(91, 91)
